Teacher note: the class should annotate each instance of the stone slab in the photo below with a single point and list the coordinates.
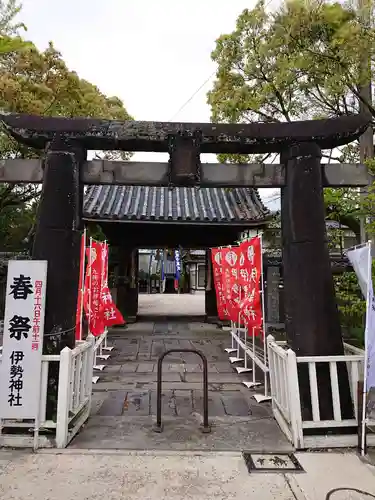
(137, 403)
(215, 378)
(168, 403)
(128, 367)
(228, 434)
(145, 367)
(215, 404)
(97, 400)
(113, 404)
(184, 402)
(235, 404)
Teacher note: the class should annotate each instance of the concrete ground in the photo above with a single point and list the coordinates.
(165, 304)
(124, 399)
(94, 475)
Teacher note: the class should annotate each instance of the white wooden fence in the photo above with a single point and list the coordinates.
(101, 350)
(285, 391)
(73, 401)
(250, 356)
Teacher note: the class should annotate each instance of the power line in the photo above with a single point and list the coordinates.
(192, 96)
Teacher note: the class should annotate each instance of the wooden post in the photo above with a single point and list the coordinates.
(127, 283)
(210, 294)
(57, 240)
(311, 314)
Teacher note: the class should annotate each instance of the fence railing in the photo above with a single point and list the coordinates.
(250, 356)
(285, 391)
(73, 400)
(101, 350)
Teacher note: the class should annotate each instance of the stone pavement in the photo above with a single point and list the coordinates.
(94, 475)
(124, 399)
(165, 304)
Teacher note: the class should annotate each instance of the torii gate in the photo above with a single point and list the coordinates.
(312, 321)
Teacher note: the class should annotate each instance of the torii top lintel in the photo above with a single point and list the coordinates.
(95, 134)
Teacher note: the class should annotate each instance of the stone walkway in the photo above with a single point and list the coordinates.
(124, 399)
(165, 304)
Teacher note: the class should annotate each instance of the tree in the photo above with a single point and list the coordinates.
(39, 82)
(300, 62)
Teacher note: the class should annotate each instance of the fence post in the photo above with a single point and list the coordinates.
(63, 398)
(271, 367)
(294, 400)
(90, 368)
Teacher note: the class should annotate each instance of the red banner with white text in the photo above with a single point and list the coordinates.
(232, 291)
(238, 283)
(250, 273)
(216, 257)
(99, 307)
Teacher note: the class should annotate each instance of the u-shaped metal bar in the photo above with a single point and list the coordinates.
(158, 426)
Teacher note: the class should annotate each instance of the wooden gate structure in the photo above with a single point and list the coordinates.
(312, 321)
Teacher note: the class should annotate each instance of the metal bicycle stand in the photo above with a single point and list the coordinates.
(158, 427)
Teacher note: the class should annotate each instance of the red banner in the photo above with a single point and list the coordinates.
(250, 268)
(237, 274)
(110, 314)
(231, 289)
(93, 288)
(229, 270)
(100, 309)
(216, 256)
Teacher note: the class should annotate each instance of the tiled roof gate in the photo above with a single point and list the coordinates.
(185, 204)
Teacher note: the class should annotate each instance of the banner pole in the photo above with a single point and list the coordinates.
(253, 361)
(364, 394)
(82, 283)
(263, 315)
(90, 285)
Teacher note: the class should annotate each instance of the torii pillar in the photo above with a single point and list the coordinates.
(311, 314)
(57, 240)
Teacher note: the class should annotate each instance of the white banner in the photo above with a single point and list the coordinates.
(20, 368)
(361, 260)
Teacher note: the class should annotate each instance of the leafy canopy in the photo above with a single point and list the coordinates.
(296, 63)
(38, 82)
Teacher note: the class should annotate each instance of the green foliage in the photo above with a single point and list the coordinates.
(38, 82)
(343, 205)
(300, 61)
(295, 63)
(352, 306)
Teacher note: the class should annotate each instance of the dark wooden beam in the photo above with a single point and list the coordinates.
(212, 174)
(151, 235)
(37, 131)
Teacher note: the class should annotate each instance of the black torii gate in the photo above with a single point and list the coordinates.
(312, 320)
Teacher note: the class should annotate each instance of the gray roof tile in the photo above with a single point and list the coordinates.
(185, 204)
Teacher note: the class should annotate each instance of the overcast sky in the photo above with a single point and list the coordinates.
(153, 55)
